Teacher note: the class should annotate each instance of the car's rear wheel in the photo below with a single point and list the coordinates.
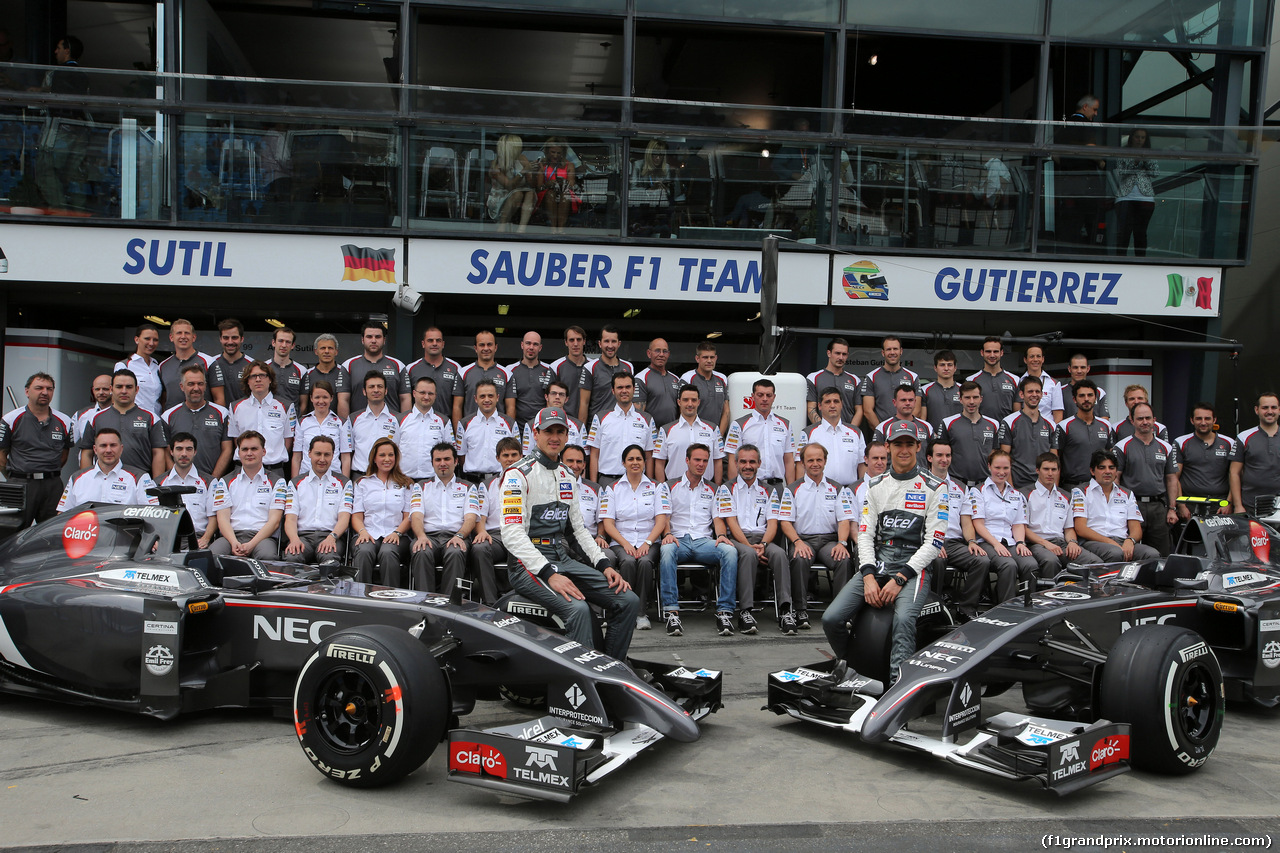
(1166, 682)
(370, 705)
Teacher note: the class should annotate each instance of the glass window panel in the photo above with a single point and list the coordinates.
(991, 80)
(497, 181)
(1204, 23)
(816, 11)
(1014, 17)
(237, 169)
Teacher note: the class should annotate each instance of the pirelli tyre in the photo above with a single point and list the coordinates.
(370, 705)
(1166, 681)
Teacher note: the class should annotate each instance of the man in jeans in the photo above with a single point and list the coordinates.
(692, 522)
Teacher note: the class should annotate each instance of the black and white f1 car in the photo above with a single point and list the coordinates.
(98, 606)
(1131, 663)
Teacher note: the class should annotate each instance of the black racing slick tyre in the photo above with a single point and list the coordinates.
(1166, 682)
(370, 705)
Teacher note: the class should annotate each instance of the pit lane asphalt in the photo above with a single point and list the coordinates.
(73, 778)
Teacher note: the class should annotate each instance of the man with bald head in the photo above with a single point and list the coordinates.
(657, 387)
(529, 377)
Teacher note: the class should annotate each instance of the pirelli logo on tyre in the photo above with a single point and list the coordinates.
(358, 654)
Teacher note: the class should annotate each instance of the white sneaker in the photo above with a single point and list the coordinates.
(642, 623)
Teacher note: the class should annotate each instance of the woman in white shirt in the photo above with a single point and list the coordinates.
(321, 420)
(629, 517)
(384, 501)
(999, 513)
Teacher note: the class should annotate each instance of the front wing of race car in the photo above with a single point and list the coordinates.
(1063, 756)
(553, 758)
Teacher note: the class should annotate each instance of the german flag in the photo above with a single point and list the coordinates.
(369, 264)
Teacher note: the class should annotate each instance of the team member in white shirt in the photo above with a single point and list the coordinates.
(691, 522)
(672, 439)
(442, 529)
(484, 514)
(574, 458)
(1051, 532)
(262, 413)
(877, 464)
(816, 516)
(101, 392)
(421, 428)
(317, 509)
(199, 505)
(846, 450)
(999, 513)
(960, 549)
(375, 421)
(770, 433)
(381, 516)
(146, 368)
(632, 516)
(249, 504)
(108, 479)
(616, 428)
(557, 398)
(321, 420)
(1106, 517)
(479, 432)
(745, 506)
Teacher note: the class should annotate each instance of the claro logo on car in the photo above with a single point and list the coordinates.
(469, 757)
(80, 535)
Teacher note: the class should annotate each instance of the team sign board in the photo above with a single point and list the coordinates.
(1026, 285)
(176, 258)
(612, 272)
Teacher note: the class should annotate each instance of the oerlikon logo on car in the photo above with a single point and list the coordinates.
(80, 535)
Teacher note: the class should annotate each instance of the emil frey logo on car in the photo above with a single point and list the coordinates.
(159, 660)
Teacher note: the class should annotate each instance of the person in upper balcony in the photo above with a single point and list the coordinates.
(509, 189)
(1136, 197)
(555, 179)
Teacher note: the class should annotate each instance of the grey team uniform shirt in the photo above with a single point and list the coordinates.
(999, 393)
(845, 382)
(1027, 439)
(657, 393)
(171, 375)
(226, 375)
(712, 394)
(209, 426)
(448, 385)
(1206, 468)
(940, 402)
(883, 384)
(529, 387)
(473, 374)
(597, 377)
(390, 368)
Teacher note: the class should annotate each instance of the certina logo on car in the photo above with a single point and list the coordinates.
(1066, 595)
(149, 627)
(80, 535)
(470, 757)
(1267, 625)
(158, 660)
(1192, 652)
(290, 629)
(575, 696)
(146, 512)
(392, 593)
(341, 651)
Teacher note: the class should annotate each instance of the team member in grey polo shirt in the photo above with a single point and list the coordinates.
(224, 373)
(328, 369)
(101, 395)
(713, 387)
(879, 386)
(139, 429)
(484, 368)
(595, 387)
(34, 443)
(182, 334)
(1149, 468)
(557, 395)
(972, 436)
(1078, 370)
(1080, 435)
(657, 387)
(835, 376)
(202, 419)
(999, 387)
(289, 374)
(1051, 531)
(1206, 459)
(941, 398)
(444, 371)
(905, 401)
(1133, 395)
(529, 378)
(1027, 434)
(373, 360)
(568, 368)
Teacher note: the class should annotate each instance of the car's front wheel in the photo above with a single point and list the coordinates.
(1166, 682)
(370, 705)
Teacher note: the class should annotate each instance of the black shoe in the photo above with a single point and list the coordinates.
(787, 624)
(747, 622)
(802, 620)
(674, 628)
(724, 623)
